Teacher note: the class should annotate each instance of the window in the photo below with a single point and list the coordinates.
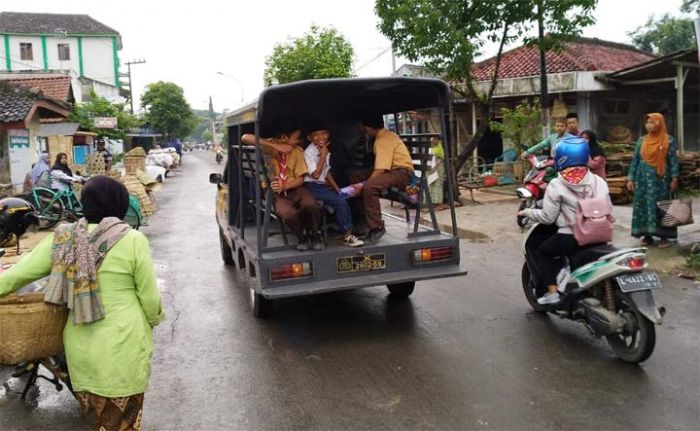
(63, 52)
(25, 51)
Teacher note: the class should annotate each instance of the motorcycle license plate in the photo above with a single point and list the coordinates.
(639, 281)
(372, 262)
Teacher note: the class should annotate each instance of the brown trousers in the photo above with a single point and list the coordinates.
(298, 210)
(373, 188)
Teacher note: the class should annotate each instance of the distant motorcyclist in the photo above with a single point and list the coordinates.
(573, 183)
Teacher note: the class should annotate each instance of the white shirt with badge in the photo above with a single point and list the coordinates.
(312, 157)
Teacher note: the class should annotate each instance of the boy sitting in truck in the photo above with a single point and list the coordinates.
(393, 167)
(319, 181)
(294, 204)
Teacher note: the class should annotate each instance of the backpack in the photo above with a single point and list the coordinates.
(594, 221)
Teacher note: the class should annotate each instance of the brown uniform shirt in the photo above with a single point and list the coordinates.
(296, 165)
(390, 152)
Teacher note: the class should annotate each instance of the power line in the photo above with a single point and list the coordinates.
(372, 60)
(131, 87)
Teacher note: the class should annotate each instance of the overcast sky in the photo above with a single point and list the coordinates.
(189, 42)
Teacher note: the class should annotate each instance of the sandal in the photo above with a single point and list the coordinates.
(664, 243)
(647, 240)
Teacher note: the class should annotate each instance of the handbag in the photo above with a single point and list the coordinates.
(675, 212)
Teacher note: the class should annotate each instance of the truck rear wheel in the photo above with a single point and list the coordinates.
(259, 304)
(401, 290)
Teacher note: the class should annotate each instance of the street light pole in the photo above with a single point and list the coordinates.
(238, 81)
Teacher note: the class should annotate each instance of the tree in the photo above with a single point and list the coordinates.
(97, 106)
(319, 53)
(665, 35)
(447, 35)
(691, 6)
(167, 110)
(521, 124)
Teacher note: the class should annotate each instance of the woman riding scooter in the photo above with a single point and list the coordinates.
(573, 183)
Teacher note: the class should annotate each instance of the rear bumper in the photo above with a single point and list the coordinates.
(358, 281)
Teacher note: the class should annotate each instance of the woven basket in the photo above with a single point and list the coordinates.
(30, 328)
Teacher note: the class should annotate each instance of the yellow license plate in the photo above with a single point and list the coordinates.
(372, 262)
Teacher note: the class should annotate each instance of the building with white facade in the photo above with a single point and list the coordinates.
(86, 48)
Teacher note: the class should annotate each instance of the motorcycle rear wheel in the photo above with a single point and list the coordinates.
(530, 290)
(637, 345)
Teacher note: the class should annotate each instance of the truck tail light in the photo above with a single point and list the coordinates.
(294, 270)
(433, 254)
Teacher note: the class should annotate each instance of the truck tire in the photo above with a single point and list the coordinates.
(226, 252)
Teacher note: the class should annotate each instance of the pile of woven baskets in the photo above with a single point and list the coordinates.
(30, 328)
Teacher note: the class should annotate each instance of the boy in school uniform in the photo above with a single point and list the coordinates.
(319, 181)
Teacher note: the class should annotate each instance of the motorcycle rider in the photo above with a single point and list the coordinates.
(573, 183)
(550, 141)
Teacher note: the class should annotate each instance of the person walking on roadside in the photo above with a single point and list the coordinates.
(101, 270)
(653, 176)
(597, 161)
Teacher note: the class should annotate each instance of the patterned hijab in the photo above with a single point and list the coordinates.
(77, 253)
(655, 144)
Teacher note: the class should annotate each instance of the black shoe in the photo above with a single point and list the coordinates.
(375, 234)
(303, 245)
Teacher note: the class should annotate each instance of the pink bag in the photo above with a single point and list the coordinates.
(594, 221)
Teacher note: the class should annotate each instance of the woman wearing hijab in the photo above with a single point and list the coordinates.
(653, 176)
(101, 270)
(597, 162)
(61, 175)
(39, 175)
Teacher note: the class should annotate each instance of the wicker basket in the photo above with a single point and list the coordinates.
(30, 328)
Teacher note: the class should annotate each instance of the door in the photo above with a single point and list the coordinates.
(20, 156)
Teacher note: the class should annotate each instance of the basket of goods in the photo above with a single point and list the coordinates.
(30, 328)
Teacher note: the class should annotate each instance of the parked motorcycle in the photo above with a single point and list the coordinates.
(16, 216)
(607, 289)
(534, 185)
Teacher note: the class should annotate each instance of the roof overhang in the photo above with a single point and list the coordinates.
(47, 109)
(567, 82)
(659, 71)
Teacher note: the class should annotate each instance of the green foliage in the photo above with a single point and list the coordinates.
(447, 35)
(319, 53)
(665, 35)
(692, 261)
(521, 124)
(691, 7)
(84, 114)
(167, 110)
(207, 136)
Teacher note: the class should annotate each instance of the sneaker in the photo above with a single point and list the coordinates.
(375, 234)
(352, 241)
(549, 298)
(303, 245)
(316, 244)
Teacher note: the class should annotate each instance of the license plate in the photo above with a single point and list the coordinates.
(372, 262)
(639, 281)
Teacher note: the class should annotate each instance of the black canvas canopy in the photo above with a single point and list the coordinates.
(329, 100)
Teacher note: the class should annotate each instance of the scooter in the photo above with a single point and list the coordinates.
(534, 185)
(607, 289)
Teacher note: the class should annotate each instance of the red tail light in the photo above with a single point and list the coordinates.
(294, 270)
(434, 254)
(635, 262)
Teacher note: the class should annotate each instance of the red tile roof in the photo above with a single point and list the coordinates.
(583, 55)
(58, 87)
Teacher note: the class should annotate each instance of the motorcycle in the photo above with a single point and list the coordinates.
(607, 289)
(219, 157)
(534, 185)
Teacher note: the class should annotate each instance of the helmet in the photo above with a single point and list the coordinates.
(571, 151)
(15, 217)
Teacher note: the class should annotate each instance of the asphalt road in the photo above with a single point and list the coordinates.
(462, 353)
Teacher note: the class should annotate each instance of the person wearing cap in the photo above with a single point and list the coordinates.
(106, 155)
(101, 270)
(393, 167)
(574, 182)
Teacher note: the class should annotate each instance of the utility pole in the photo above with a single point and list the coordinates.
(131, 87)
(544, 93)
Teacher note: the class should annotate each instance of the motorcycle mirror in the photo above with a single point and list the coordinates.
(2, 252)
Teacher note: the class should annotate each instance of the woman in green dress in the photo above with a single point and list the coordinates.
(101, 270)
(653, 176)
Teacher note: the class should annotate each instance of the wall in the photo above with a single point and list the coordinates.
(98, 59)
(52, 52)
(17, 64)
